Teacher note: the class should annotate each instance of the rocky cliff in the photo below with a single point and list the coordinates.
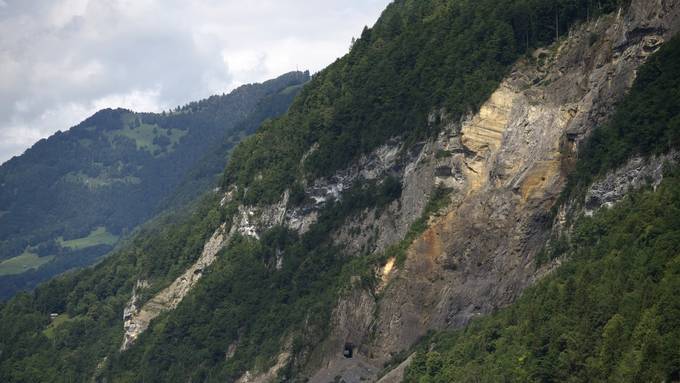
(443, 170)
(505, 167)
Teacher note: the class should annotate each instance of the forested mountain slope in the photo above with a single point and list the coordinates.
(414, 185)
(67, 200)
(610, 312)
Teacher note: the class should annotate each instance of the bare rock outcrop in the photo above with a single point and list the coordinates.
(507, 165)
(137, 319)
(638, 172)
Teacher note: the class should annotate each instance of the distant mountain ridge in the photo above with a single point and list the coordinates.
(67, 200)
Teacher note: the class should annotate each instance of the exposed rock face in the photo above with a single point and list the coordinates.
(484, 132)
(254, 220)
(371, 232)
(507, 165)
(251, 221)
(136, 320)
(638, 172)
(384, 160)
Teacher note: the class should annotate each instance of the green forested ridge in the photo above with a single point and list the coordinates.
(118, 168)
(611, 312)
(205, 173)
(419, 57)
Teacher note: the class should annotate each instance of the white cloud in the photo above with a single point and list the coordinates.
(64, 11)
(148, 99)
(61, 60)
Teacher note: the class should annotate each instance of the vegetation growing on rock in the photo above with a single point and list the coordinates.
(420, 57)
(610, 313)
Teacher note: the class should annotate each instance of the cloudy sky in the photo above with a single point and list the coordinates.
(62, 60)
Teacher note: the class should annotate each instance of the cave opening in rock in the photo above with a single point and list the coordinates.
(348, 351)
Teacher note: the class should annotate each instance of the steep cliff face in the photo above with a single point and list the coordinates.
(506, 165)
(311, 264)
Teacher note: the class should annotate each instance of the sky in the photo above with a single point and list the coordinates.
(62, 60)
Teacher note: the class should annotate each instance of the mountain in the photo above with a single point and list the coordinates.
(67, 200)
(610, 313)
(478, 191)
